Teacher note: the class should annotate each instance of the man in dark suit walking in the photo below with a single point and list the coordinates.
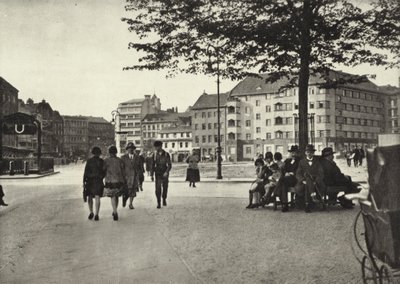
(131, 164)
(161, 167)
(310, 175)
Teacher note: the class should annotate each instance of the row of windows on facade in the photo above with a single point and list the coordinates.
(158, 126)
(294, 92)
(361, 108)
(130, 124)
(130, 109)
(207, 114)
(75, 139)
(288, 135)
(74, 131)
(173, 145)
(8, 98)
(74, 123)
(211, 139)
(360, 95)
(314, 90)
(175, 135)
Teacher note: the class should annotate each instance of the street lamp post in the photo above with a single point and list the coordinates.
(219, 159)
(115, 115)
(312, 128)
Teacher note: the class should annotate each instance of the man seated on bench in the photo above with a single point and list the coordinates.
(333, 177)
(310, 178)
(288, 177)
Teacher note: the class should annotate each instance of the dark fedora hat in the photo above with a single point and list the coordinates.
(130, 145)
(157, 143)
(294, 148)
(327, 152)
(310, 148)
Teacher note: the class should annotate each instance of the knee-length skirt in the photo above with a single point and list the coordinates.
(192, 175)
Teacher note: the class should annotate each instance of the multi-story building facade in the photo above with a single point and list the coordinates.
(177, 140)
(76, 136)
(8, 105)
(100, 134)
(52, 128)
(153, 123)
(263, 116)
(130, 116)
(392, 106)
(205, 125)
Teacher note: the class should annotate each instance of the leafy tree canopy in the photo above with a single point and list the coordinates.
(292, 38)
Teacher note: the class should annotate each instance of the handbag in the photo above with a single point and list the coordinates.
(84, 193)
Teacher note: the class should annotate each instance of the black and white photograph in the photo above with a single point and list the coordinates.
(200, 141)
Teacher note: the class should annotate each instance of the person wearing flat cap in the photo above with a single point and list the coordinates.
(131, 165)
(161, 167)
(309, 175)
(288, 177)
(334, 177)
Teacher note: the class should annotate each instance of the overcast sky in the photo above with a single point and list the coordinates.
(71, 53)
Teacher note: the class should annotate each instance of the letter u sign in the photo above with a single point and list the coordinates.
(19, 131)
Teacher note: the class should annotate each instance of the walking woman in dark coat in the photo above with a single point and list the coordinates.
(93, 182)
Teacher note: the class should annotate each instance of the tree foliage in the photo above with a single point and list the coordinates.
(292, 38)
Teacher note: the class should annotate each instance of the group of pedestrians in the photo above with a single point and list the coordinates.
(123, 177)
(356, 155)
(309, 177)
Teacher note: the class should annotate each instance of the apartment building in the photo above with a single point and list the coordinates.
(130, 117)
(100, 134)
(177, 140)
(205, 125)
(8, 105)
(263, 116)
(392, 105)
(153, 123)
(76, 136)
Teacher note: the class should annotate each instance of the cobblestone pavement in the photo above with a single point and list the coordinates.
(204, 236)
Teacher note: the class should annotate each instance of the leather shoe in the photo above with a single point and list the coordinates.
(158, 206)
(91, 215)
(115, 216)
(2, 203)
(96, 217)
(131, 206)
(164, 203)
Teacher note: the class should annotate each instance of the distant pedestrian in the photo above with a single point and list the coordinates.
(140, 170)
(192, 172)
(349, 157)
(362, 156)
(356, 156)
(2, 203)
(114, 179)
(131, 165)
(93, 182)
(161, 167)
(149, 164)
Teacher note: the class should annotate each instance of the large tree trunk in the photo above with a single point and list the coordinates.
(304, 75)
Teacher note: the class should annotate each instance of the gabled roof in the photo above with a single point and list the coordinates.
(4, 83)
(252, 85)
(206, 101)
(161, 116)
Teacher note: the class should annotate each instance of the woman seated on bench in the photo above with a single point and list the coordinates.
(271, 185)
(257, 188)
